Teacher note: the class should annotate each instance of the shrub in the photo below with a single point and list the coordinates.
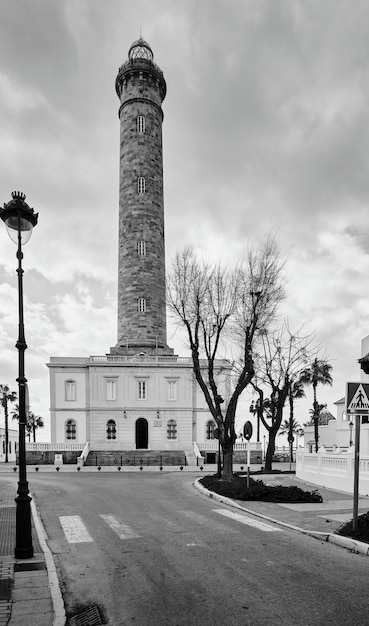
(362, 532)
(237, 489)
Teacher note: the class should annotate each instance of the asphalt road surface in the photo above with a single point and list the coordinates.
(152, 551)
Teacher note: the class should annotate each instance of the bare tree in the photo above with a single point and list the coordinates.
(218, 308)
(282, 357)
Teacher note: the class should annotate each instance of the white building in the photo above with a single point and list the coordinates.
(333, 464)
(12, 444)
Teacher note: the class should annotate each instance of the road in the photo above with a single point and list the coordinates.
(151, 550)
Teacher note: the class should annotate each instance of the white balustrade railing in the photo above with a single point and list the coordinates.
(332, 469)
(212, 446)
(44, 446)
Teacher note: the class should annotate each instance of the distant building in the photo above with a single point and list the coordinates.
(139, 396)
(333, 465)
(12, 444)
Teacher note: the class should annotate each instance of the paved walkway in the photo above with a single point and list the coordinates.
(29, 589)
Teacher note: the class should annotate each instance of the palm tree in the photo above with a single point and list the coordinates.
(290, 427)
(6, 396)
(318, 373)
(33, 422)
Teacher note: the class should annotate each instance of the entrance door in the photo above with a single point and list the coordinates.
(142, 434)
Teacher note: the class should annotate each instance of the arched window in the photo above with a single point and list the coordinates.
(111, 430)
(210, 427)
(172, 429)
(141, 184)
(70, 429)
(140, 124)
(141, 247)
(141, 305)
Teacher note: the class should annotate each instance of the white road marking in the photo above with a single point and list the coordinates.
(249, 521)
(201, 519)
(74, 529)
(122, 530)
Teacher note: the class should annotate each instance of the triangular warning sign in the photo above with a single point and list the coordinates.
(359, 400)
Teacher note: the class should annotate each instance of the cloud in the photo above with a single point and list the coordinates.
(265, 130)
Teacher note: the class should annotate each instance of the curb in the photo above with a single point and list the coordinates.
(56, 596)
(344, 542)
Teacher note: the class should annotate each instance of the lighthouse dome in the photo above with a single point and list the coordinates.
(140, 49)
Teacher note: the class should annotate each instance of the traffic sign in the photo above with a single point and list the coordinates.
(247, 430)
(357, 398)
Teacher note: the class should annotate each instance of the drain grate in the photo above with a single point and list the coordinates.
(87, 617)
(29, 567)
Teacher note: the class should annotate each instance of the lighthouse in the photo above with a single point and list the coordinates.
(141, 88)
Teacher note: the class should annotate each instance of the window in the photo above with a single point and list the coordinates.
(141, 184)
(141, 305)
(172, 429)
(210, 427)
(111, 430)
(70, 430)
(140, 124)
(141, 247)
(142, 390)
(70, 390)
(172, 390)
(111, 389)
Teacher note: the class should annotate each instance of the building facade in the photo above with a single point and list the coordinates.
(139, 396)
(12, 444)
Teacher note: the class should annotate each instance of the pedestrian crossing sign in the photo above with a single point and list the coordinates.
(357, 398)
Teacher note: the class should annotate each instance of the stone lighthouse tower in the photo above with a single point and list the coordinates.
(141, 89)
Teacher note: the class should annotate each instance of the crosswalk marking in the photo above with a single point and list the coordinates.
(249, 521)
(122, 530)
(201, 519)
(74, 529)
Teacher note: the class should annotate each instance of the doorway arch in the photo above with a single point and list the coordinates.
(142, 434)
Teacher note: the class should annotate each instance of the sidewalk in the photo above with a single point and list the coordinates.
(29, 588)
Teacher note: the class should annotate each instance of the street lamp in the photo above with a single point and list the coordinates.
(19, 220)
(351, 425)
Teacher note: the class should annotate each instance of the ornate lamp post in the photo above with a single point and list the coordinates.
(19, 220)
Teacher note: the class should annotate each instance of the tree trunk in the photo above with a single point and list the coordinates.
(270, 452)
(227, 473)
(316, 419)
(6, 432)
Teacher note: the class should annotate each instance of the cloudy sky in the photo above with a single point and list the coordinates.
(266, 130)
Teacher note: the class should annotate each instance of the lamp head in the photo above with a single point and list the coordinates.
(18, 217)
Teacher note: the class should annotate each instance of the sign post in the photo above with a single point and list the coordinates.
(356, 472)
(247, 433)
(357, 403)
